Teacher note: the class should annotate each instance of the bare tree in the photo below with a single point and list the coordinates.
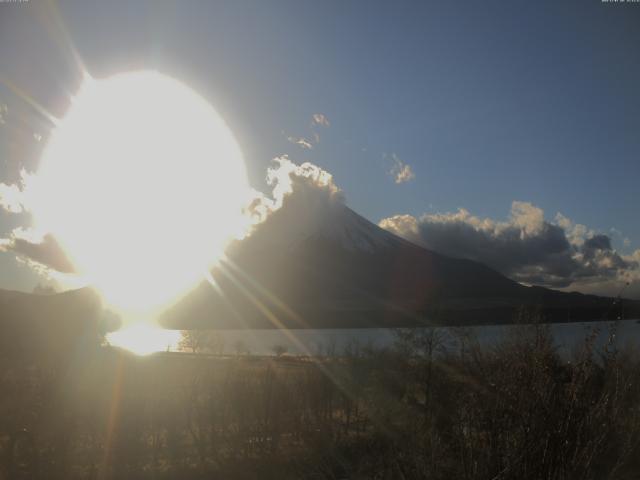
(279, 350)
(200, 341)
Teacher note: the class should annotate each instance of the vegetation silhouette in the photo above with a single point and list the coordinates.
(426, 407)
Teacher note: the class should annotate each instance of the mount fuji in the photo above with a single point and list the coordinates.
(318, 264)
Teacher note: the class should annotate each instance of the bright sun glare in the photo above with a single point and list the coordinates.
(143, 185)
(144, 338)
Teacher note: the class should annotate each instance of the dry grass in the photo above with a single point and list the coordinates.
(418, 410)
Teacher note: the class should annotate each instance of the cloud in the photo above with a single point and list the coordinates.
(406, 226)
(41, 251)
(620, 236)
(307, 142)
(595, 243)
(302, 142)
(288, 179)
(400, 171)
(320, 120)
(525, 247)
(14, 197)
(576, 233)
(11, 198)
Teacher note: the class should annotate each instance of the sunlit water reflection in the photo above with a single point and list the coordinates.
(143, 338)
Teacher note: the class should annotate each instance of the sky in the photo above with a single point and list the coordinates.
(473, 115)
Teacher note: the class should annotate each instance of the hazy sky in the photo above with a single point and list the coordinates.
(428, 106)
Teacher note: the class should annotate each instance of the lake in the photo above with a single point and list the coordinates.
(334, 341)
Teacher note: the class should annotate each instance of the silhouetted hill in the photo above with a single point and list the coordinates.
(47, 326)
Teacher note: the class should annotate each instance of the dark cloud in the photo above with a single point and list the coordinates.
(594, 244)
(44, 250)
(526, 247)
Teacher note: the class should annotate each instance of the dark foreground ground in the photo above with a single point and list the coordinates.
(515, 411)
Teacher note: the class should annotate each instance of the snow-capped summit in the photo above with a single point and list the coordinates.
(330, 220)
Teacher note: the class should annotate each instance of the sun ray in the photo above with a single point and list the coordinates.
(49, 16)
(112, 418)
(289, 333)
(212, 282)
(269, 295)
(264, 309)
(25, 97)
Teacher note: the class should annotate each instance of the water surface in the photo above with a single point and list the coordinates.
(334, 341)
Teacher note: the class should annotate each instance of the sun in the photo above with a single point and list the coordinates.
(143, 185)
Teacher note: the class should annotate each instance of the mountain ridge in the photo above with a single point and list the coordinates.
(320, 264)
